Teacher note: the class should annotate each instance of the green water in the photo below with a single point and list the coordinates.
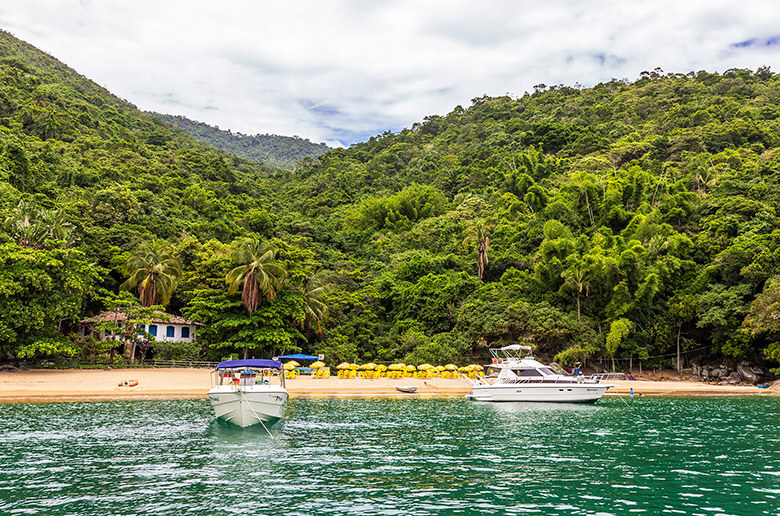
(704, 456)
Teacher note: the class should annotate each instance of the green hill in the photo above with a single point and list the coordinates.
(612, 223)
(623, 219)
(85, 179)
(272, 150)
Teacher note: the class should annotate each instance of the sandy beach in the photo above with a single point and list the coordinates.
(81, 384)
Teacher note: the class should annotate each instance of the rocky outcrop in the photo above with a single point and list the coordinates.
(727, 374)
(748, 373)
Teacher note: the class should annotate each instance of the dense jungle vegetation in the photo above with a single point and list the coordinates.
(270, 149)
(614, 222)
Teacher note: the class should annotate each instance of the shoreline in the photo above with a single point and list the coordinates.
(67, 385)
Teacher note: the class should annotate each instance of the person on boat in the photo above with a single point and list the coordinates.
(576, 369)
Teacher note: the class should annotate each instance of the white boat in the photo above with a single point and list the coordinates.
(242, 392)
(521, 378)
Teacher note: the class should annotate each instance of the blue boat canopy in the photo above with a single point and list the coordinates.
(298, 357)
(250, 362)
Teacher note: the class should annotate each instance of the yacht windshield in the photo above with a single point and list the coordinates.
(527, 372)
(547, 371)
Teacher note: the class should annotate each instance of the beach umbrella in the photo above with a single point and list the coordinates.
(293, 363)
(366, 367)
(450, 367)
(381, 367)
(424, 367)
(371, 365)
(354, 366)
(288, 366)
(438, 369)
(343, 365)
(410, 367)
(464, 369)
(476, 367)
(396, 367)
(317, 365)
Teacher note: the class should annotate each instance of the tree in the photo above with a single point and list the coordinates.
(618, 331)
(684, 309)
(576, 279)
(155, 270)
(479, 234)
(128, 317)
(315, 290)
(33, 227)
(42, 292)
(258, 273)
(267, 331)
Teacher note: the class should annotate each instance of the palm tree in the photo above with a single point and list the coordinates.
(32, 227)
(257, 273)
(576, 279)
(479, 233)
(314, 291)
(155, 270)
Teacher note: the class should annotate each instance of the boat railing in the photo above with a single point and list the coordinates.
(509, 353)
(264, 376)
(543, 379)
(606, 376)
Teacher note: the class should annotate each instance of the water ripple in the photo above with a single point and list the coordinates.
(394, 456)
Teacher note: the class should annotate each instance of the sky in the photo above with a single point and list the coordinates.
(341, 71)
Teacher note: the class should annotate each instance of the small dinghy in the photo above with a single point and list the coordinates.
(409, 388)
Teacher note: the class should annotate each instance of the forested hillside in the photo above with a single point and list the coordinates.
(269, 149)
(614, 222)
(89, 182)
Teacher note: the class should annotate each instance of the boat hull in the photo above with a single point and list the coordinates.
(247, 406)
(550, 393)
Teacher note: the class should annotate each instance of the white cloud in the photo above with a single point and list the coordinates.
(341, 71)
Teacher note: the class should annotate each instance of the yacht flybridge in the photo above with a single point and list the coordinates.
(522, 378)
(242, 392)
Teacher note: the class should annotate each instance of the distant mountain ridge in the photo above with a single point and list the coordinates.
(269, 149)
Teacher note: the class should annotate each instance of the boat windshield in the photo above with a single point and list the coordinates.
(547, 371)
(527, 372)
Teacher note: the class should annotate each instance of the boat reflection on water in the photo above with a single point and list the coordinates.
(227, 433)
(536, 406)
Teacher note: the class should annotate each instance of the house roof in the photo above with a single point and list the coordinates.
(121, 316)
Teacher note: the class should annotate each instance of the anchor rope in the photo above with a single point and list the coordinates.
(255, 413)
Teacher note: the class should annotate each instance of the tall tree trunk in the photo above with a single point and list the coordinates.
(590, 212)
(679, 366)
(246, 352)
(129, 349)
(578, 307)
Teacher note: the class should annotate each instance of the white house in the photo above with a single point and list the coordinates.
(166, 328)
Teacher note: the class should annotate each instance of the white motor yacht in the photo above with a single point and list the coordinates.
(521, 378)
(242, 392)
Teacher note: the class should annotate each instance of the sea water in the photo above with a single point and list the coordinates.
(696, 456)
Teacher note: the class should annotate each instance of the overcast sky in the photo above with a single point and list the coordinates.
(341, 71)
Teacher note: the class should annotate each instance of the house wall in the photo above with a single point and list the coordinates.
(165, 329)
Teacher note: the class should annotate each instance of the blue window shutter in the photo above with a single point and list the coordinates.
(153, 329)
(185, 332)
